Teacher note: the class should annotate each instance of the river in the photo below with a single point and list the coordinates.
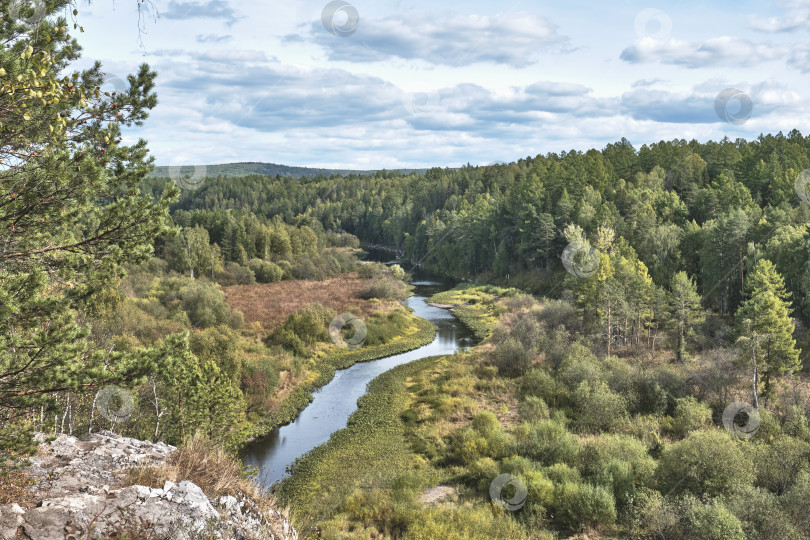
(335, 402)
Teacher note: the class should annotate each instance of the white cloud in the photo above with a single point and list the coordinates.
(515, 39)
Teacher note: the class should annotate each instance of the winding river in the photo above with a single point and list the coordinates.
(335, 402)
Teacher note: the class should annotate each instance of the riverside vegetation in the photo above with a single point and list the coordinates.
(686, 290)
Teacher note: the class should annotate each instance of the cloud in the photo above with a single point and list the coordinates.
(213, 38)
(213, 9)
(725, 51)
(797, 18)
(698, 105)
(516, 39)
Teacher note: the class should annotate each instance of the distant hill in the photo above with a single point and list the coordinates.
(268, 169)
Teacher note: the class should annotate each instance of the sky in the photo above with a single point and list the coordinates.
(378, 84)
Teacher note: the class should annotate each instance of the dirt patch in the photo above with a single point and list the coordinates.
(271, 303)
(437, 494)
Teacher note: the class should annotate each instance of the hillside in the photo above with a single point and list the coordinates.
(230, 170)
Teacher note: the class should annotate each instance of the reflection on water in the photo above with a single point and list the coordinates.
(334, 403)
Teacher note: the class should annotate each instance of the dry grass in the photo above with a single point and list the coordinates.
(271, 303)
(14, 486)
(201, 461)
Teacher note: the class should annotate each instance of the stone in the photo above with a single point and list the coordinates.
(78, 481)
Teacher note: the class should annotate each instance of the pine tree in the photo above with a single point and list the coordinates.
(71, 215)
(685, 309)
(764, 322)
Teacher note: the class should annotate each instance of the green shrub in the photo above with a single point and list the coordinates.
(533, 409)
(711, 521)
(761, 514)
(540, 383)
(690, 415)
(705, 463)
(205, 306)
(618, 477)
(579, 505)
(266, 271)
(546, 442)
(464, 522)
(795, 423)
(512, 358)
(795, 502)
(579, 365)
(598, 452)
(651, 396)
(484, 438)
(560, 473)
(303, 329)
(598, 407)
(385, 287)
(778, 463)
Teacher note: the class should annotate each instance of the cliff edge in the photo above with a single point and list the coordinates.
(79, 491)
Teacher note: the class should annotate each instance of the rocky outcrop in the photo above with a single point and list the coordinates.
(79, 489)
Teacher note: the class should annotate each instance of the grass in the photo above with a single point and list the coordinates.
(475, 305)
(203, 462)
(270, 304)
(366, 481)
(412, 333)
(14, 486)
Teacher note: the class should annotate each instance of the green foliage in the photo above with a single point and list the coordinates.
(303, 329)
(204, 303)
(599, 408)
(690, 415)
(72, 216)
(266, 271)
(578, 505)
(546, 442)
(705, 463)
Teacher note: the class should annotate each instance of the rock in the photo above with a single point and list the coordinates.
(78, 486)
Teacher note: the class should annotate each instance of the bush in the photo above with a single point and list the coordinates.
(540, 383)
(778, 464)
(598, 452)
(533, 409)
(546, 442)
(484, 438)
(618, 477)
(795, 502)
(266, 271)
(711, 521)
(511, 358)
(468, 522)
(690, 415)
(579, 505)
(205, 306)
(598, 407)
(385, 287)
(761, 514)
(579, 365)
(303, 329)
(234, 274)
(705, 463)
